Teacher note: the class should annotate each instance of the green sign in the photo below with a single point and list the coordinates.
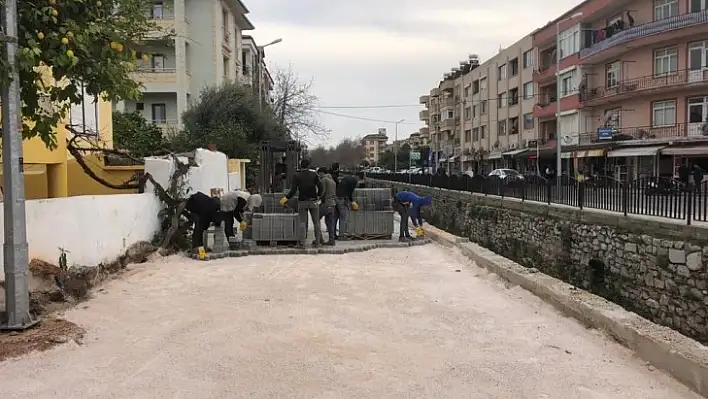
(415, 156)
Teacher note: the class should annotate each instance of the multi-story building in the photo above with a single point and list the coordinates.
(204, 51)
(632, 79)
(254, 69)
(374, 146)
(481, 116)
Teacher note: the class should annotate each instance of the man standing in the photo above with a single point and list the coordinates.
(328, 198)
(203, 211)
(345, 199)
(307, 185)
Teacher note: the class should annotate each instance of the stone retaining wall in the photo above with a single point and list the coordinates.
(652, 267)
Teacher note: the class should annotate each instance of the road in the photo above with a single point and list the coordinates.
(417, 322)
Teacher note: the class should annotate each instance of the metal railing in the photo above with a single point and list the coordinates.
(150, 69)
(634, 85)
(645, 132)
(648, 29)
(651, 196)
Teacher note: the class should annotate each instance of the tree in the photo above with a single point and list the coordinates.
(132, 133)
(86, 46)
(349, 153)
(295, 106)
(229, 117)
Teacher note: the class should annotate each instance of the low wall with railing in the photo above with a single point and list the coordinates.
(655, 267)
(93, 229)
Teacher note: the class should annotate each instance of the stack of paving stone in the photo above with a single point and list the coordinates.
(272, 222)
(374, 220)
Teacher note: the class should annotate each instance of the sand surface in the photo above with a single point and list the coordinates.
(418, 322)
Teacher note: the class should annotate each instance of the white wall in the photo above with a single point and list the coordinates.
(211, 172)
(93, 228)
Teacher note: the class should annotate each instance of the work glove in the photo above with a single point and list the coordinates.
(243, 226)
(419, 232)
(283, 201)
(355, 206)
(201, 251)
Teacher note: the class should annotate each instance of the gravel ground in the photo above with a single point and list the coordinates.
(419, 322)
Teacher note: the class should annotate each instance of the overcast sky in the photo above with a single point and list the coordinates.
(387, 52)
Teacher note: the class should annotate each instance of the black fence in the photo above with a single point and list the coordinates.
(655, 196)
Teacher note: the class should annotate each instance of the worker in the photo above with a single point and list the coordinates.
(328, 203)
(413, 204)
(345, 201)
(233, 205)
(203, 210)
(308, 187)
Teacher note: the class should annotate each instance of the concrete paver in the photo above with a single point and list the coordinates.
(417, 322)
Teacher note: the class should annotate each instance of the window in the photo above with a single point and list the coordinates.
(663, 113)
(614, 20)
(158, 63)
(567, 84)
(612, 118)
(483, 84)
(665, 61)
(528, 90)
(697, 5)
(698, 56)
(468, 135)
(528, 121)
(475, 87)
(483, 108)
(158, 10)
(467, 91)
(528, 59)
(159, 113)
(468, 113)
(140, 106)
(569, 41)
(514, 96)
(514, 125)
(474, 111)
(475, 134)
(501, 100)
(482, 132)
(612, 74)
(450, 114)
(501, 72)
(665, 8)
(514, 67)
(501, 128)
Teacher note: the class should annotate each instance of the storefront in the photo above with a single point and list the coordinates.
(494, 161)
(633, 162)
(689, 156)
(512, 160)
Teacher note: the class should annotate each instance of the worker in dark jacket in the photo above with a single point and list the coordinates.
(334, 172)
(345, 200)
(308, 187)
(203, 211)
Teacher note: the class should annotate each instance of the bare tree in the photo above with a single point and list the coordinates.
(348, 153)
(295, 106)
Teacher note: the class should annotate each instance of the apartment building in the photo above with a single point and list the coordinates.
(374, 146)
(254, 69)
(481, 115)
(634, 86)
(205, 51)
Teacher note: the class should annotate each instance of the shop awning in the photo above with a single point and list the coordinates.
(635, 152)
(590, 154)
(495, 155)
(515, 152)
(698, 150)
(452, 158)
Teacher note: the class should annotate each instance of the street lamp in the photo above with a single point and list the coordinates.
(559, 166)
(260, 71)
(395, 142)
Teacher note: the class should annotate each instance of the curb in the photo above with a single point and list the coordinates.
(681, 357)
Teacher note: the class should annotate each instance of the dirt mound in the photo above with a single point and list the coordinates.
(43, 336)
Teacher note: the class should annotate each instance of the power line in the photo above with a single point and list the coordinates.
(364, 119)
(370, 106)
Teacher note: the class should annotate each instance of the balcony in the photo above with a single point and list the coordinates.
(424, 99)
(434, 92)
(646, 85)
(678, 131)
(447, 124)
(547, 108)
(424, 131)
(547, 72)
(424, 115)
(448, 102)
(447, 85)
(654, 32)
(150, 75)
(169, 127)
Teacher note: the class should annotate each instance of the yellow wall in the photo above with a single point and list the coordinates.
(82, 184)
(235, 165)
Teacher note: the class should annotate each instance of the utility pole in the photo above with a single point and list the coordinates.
(17, 312)
(259, 69)
(395, 147)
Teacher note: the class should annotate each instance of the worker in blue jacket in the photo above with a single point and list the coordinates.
(409, 204)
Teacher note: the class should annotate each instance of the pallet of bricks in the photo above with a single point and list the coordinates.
(273, 224)
(374, 220)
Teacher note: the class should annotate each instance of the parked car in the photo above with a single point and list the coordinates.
(508, 176)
